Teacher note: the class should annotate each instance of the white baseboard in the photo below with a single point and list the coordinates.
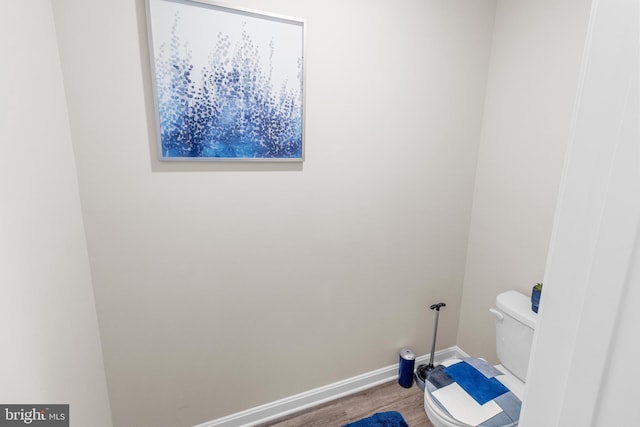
(308, 399)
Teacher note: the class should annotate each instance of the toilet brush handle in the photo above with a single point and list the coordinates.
(437, 308)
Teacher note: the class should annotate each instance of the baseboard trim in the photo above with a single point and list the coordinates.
(308, 399)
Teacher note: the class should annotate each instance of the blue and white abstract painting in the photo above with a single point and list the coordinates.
(228, 83)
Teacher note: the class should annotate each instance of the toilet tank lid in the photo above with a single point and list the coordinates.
(518, 306)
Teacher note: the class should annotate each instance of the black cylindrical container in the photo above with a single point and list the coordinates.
(405, 371)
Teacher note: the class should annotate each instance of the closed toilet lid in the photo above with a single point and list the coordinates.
(470, 391)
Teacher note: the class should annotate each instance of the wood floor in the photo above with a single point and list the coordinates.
(386, 397)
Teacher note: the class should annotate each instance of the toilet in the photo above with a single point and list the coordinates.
(469, 392)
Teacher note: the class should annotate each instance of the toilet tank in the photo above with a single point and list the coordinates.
(515, 322)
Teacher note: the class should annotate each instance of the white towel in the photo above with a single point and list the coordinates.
(463, 407)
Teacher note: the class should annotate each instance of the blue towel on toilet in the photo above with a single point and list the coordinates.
(473, 388)
(478, 386)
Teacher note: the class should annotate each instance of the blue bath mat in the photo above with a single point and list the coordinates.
(381, 419)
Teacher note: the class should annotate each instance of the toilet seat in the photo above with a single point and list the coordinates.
(469, 392)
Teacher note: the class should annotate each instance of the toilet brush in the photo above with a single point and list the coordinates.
(422, 372)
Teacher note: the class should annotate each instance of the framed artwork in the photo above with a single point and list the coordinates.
(228, 83)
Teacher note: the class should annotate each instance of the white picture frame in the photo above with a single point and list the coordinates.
(228, 83)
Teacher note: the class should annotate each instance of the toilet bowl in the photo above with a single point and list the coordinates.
(470, 392)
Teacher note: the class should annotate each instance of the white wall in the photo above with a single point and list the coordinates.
(221, 287)
(586, 340)
(50, 345)
(531, 87)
